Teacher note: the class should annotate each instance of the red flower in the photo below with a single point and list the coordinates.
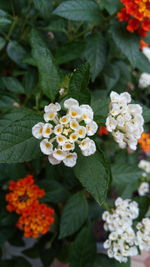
(102, 130)
(143, 44)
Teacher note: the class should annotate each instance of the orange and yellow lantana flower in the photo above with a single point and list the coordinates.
(23, 193)
(137, 14)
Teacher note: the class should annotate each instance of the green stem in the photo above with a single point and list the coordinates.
(106, 206)
(11, 28)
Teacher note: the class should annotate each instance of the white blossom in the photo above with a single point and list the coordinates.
(63, 132)
(144, 189)
(144, 80)
(121, 242)
(124, 121)
(145, 165)
(37, 130)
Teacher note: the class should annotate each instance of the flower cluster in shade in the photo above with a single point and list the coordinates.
(123, 240)
(137, 15)
(35, 218)
(125, 121)
(62, 131)
(144, 188)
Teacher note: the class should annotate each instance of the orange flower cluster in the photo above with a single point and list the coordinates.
(144, 142)
(36, 220)
(23, 193)
(137, 14)
(102, 130)
(24, 197)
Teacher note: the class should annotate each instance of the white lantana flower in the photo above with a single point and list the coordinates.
(144, 80)
(144, 189)
(62, 133)
(124, 121)
(144, 165)
(121, 242)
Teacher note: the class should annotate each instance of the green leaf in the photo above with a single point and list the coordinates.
(125, 178)
(13, 85)
(78, 84)
(146, 113)
(79, 10)
(55, 191)
(110, 7)
(69, 52)
(74, 215)
(144, 204)
(20, 261)
(5, 234)
(127, 42)
(2, 43)
(7, 101)
(100, 108)
(17, 143)
(48, 75)
(44, 7)
(57, 25)
(95, 53)
(16, 52)
(94, 174)
(83, 250)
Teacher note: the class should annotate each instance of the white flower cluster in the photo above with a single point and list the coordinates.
(121, 242)
(62, 133)
(144, 187)
(143, 234)
(125, 121)
(144, 80)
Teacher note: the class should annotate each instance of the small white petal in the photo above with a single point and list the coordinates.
(65, 119)
(90, 150)
(47, 130)
(52, 107)
(144, 80)
(81, 132)
(87, 113)
(70, 102)
(73, 137)
(61, 139)
(59, 154)
(70, 160)
(53, 161)
(49, 116)
(91, 128)
(46, 147)
(75, 112)
(68, 146)
(74, 124)
(58, 129)
(37, 130)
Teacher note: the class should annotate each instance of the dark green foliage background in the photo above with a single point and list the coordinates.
(77, 45)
